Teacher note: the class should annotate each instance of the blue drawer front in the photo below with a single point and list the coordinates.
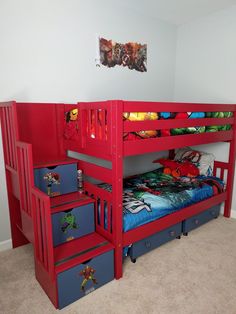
(72, 224)
(80, 280)
(141, 247)
(198, 220)
(56, 180)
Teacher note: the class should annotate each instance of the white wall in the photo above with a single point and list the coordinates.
(205, 64)
(48, 50)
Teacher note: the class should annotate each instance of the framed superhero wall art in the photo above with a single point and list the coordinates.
(131, 55)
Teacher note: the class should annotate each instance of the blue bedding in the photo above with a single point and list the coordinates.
(152, 195)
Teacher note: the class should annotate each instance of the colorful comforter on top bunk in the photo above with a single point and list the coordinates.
(154, 194)
(142, 116)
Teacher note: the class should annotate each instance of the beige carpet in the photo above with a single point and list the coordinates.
(196, 274)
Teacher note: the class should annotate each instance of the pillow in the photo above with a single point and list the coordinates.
(204, 161)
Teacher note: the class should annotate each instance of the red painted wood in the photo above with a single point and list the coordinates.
(97, 172)
(117, 182)
(18, 237)
(9, 132)
(142, 106)
(25, 170)
(43, 230)
(67, 201)
(58, 162)
(231, 172)
(48, 285)
(42, 130)
(169, 220)
(170, 142)
(77, 246)
(132, 126)
(100, 134)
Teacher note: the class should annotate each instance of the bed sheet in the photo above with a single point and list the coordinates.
(152, 195)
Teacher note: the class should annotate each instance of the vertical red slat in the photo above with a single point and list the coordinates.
(214, 171)
(231, 169)
(89, 122)
(222, 174)
(6, 135)
(27, 180)
(22, 179)
(109, 217)
(103, 124)
(96, 124)
(39, 230)
(96, 211)
(44, 236)
(25, 172)
(13, 136)
(102, 213)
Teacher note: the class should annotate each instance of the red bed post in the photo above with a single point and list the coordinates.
(231, 169)
(117, 181)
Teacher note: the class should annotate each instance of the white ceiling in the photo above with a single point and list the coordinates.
(177, 11)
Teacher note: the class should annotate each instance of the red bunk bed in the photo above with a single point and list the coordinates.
(102, 136)
(40, 135)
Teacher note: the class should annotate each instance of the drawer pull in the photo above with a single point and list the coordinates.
(147, 244)
(196, 221)
(172, 233)
(213, 213)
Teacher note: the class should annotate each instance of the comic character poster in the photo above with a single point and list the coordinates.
(131, 55)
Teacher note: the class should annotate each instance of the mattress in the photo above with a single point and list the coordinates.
(152, 195)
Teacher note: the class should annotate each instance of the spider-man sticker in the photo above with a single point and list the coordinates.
(131, 55)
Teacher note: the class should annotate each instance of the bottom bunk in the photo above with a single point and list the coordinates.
(158, 206)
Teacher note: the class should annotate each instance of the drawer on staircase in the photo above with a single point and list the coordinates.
(84, 278)
(72, 223)
(56, 180)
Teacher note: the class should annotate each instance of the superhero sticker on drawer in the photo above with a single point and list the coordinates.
(73, 223)
(56, 180)
(82, 279)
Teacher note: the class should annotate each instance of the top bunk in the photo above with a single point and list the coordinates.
(136, 127)
(111, 129)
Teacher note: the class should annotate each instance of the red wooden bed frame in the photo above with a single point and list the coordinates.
(33, 134)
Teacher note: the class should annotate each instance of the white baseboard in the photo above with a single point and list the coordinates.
(233, 214)
(5, 245)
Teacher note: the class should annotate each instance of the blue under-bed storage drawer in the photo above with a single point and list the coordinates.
(143, 246)
(82, 279)
(198, 220)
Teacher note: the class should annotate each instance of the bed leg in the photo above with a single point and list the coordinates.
(118, 262)
(185, 234)
(179, 237)
(227, 208)
(133, 260)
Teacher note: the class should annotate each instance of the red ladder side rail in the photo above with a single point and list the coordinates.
(43, 242)
(117, 182)
(9, 133)
(25, 172)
